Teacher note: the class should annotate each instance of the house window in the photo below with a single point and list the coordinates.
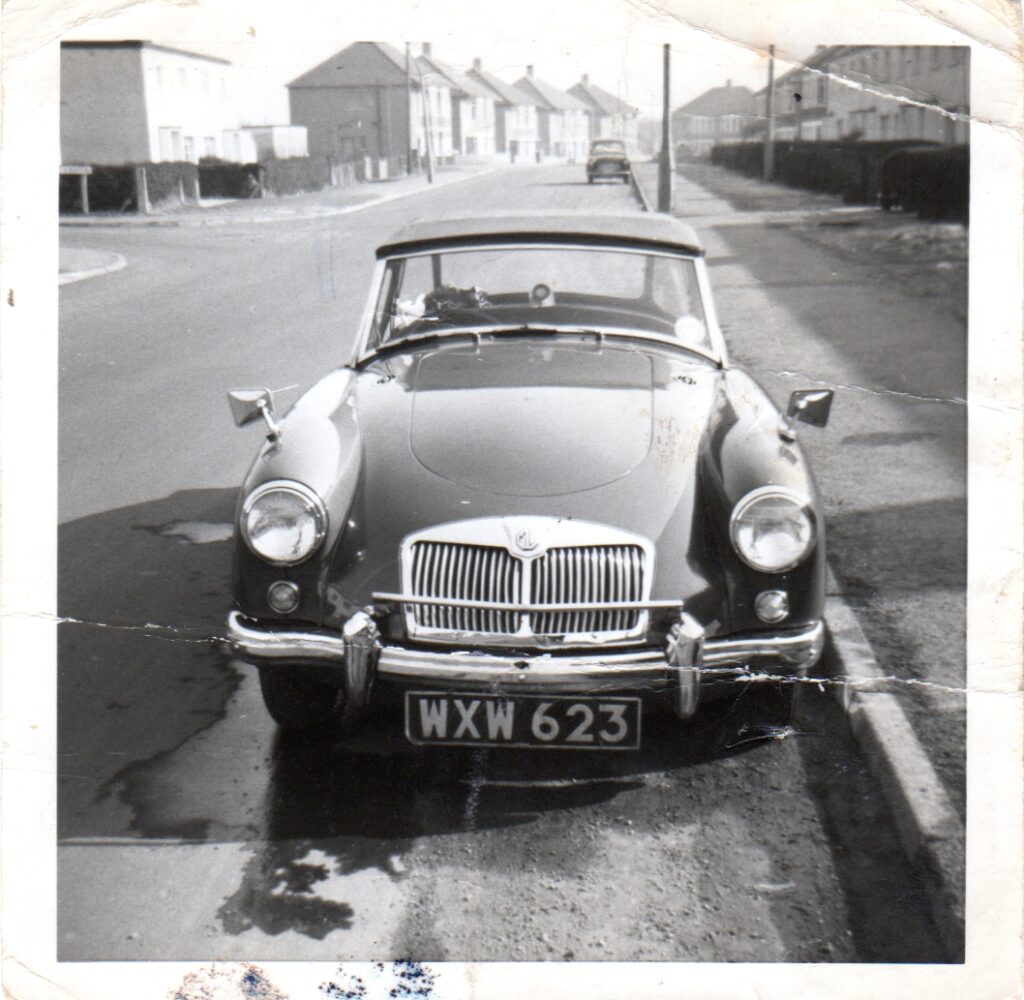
(190, 148)
(211, 146)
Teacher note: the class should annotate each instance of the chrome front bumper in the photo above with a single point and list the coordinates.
(360, 655)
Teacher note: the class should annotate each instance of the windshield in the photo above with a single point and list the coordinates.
(541, 287)
(609, 146)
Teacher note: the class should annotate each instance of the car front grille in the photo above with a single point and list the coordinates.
(566, 575)
(587, 575)
(469, 573)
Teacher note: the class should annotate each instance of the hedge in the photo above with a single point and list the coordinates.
(860, 171)
(219, 179)
(172, 181)
(228, 180)
(934, 183)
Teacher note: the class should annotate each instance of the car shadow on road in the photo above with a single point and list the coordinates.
(338, 808)
(143, 592)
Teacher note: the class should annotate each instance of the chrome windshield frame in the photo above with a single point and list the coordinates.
(718, 354)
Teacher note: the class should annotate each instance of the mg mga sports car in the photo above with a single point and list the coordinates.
(534, 500)
(608, 159)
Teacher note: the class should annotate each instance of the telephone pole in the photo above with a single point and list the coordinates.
(665, 161)
(408, 109)
(769, 136)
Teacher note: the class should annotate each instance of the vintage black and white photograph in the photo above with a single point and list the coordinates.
(512, 491)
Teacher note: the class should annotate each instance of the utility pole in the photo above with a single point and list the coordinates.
(426, 130)
(408, 109)
(665, 161)
(769, 136)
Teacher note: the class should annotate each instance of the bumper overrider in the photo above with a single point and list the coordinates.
(359, 655)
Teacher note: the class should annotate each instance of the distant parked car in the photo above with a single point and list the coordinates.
(608, 160)
(534, 491)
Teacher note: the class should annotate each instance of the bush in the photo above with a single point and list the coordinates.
(112, 189)
(301, 173)
(228, 180)
(934, 183)
(172, 181)
(921, 177)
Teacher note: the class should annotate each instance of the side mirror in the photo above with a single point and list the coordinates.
(810, 406)
(248, 405)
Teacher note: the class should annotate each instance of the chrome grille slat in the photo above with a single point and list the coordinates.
(566, 575)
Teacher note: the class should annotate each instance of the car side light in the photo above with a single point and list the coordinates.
(772, 606)
(283, 596)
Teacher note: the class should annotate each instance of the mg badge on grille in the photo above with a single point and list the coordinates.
(525, 541)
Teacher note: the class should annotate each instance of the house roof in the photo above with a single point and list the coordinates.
(505, 91)
(548, 96)
(721, 101)
(822, 54)
(138, 43)
(601, 100)
(647, 228)
(459, 82)
(358, 64)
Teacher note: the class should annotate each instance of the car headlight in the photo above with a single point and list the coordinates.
(283, 522)
(772, 529)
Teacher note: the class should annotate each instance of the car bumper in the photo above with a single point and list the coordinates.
(361, 652)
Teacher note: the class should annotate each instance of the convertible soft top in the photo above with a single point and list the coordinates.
(636, 229)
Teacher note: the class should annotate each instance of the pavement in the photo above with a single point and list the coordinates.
(79, 263)
(896, 538)
(190, 828)
(307, 205)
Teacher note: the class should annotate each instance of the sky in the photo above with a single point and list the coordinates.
(617, 42)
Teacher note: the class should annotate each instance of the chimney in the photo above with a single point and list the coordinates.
(425, 47)
(529, 71)
(477, 65)
(585, 78)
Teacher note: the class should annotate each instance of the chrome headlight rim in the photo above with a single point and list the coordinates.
(801, 501)
(298, 489)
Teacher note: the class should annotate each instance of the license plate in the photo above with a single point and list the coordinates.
(491, 720)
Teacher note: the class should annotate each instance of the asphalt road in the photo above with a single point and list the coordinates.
(190, 829)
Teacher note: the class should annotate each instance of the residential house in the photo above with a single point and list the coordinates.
(563, 127)
(721, 114)
(472, 110)
(278, 142)
(133, 101)
(873, 92)
(610, 116)
(515, 116)
(371, 102)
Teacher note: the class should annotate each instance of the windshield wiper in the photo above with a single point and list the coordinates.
(415, 341)
(477, 333)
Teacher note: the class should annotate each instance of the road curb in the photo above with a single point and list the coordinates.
(929, 828)
(225, 220)
(930, 831)
(70, 277)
